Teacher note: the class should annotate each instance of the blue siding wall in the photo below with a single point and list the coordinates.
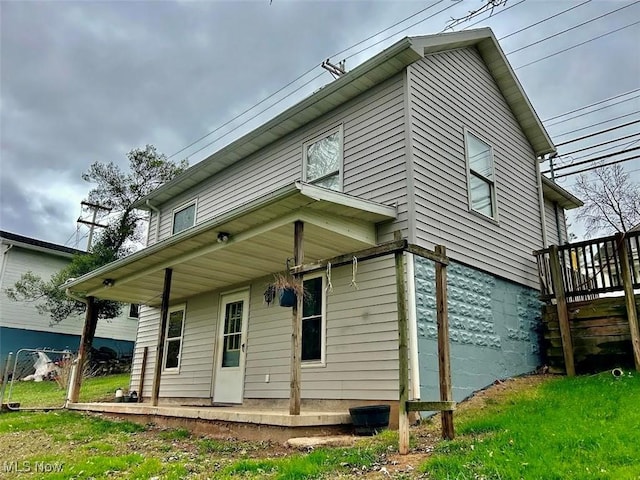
(494, 329)
(13, 339)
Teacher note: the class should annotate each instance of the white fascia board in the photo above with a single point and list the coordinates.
(326, 195)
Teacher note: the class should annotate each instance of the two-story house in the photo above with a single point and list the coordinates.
(433, 137)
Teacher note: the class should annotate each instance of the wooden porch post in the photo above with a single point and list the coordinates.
(296, 331)
(403, 353)
(164, 314)
(444, 362)
(563, 313)
(629, 298)
(86, 340)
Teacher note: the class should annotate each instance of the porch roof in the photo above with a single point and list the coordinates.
(260, 239)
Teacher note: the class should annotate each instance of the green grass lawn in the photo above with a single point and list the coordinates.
(560, 428)
(567, 428)
(49, 394)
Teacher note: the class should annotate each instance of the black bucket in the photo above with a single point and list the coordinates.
(370, 419)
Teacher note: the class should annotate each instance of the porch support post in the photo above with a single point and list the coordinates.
(629, 298)
(403, 353)
(561, 308)
(296, 333)
(86, 340)
(164, 314)
(444, 362)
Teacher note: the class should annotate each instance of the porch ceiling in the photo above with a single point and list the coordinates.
(261, 236)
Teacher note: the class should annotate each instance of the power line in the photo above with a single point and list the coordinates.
(596, 124)
(598, 166)
(544, 20)
(577, 45)
(594, 159)
(600, 144)
(591, 105)
(597, 152)
(299, 78)
(406, 28)
(592, 111)
(386, 29)
(598, 133)
(572, 28)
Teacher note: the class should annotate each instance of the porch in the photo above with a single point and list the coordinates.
(321, 230)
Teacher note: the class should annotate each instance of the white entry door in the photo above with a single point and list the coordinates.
(232, 348)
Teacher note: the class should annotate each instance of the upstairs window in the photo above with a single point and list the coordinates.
(184, 217)
(322, 160)
(173, 338)
(481, 177)
(313, 325)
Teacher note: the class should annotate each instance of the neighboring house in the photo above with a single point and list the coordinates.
(433, 137)
(22, 326)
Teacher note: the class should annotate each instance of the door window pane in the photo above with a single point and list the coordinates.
(232, 336)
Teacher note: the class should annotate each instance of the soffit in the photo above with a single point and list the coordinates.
(260, 241)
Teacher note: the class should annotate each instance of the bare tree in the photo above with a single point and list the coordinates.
(611, 200)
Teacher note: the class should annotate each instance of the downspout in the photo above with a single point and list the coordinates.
(157, 212)
(414, 362)
(558, 229)
(543, 219)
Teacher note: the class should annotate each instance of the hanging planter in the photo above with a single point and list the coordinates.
(287, 288)
(288, 297)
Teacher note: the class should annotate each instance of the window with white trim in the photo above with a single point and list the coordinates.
(184, 217)
(313, 320)
(173, 337)
(134, 310)
(322, 160)
(480, 176)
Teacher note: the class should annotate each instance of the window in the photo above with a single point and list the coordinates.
(173, 339)
(313, 320)
(184, 217)
(134, 310)
(322, 160)
(482, 193)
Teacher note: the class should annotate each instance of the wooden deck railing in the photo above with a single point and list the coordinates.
(583, 271)
(591, 267)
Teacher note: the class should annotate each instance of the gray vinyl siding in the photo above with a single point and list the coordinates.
(24, 315)
(449, 92)
(552, 227)
(361, 343)
(193, 379)
(373, 161)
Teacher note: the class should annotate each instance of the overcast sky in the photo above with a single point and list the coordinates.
(88, 81)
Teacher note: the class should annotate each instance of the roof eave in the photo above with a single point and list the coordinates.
(556, 193)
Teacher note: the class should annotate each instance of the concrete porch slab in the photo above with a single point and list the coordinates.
(240, 422)
(225, 414)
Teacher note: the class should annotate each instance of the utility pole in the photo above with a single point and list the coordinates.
(92, 224)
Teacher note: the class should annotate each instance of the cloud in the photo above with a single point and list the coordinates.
(88, 81)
